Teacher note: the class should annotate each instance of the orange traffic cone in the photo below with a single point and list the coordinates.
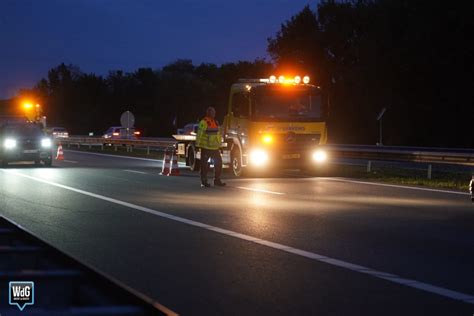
(60, 154)
(174, 167)
(165, 171)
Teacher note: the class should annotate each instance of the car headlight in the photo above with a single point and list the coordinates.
(46, 143)
(9, 143)
(319, 155)
(258, 157)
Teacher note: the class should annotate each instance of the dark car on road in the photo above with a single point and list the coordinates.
(24, 142)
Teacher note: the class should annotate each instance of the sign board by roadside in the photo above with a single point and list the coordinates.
(382, 112)
(127, 119)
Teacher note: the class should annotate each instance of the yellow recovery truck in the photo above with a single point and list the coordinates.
(271, 123)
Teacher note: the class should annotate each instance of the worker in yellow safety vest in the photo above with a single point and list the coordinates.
(209, 139)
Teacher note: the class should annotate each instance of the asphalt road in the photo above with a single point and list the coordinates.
(275, 246)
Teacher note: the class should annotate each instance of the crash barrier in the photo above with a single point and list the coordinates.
(62, 285)
(148, 145)
(367, 152)
(423, 160)
(414, 154)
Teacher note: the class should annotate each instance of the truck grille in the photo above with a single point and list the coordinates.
(292, 141)
(29, 144)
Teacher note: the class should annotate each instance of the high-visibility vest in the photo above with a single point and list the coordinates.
(208, 134)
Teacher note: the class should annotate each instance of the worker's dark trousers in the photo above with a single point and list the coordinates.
(216, 157)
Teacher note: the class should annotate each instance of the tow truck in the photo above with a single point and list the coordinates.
(271, 123)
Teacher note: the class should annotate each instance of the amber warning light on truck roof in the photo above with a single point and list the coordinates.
(284, 80)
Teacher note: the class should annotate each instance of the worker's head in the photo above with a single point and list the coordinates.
(211, 112)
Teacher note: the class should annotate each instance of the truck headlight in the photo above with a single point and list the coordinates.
(267, 139)
(320, 155)
(258, 157)
(46, 143)
(9, 143)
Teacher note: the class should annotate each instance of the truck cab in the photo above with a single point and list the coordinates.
(271, 123)
(275, 123)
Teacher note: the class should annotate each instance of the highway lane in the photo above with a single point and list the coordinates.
(420, 235)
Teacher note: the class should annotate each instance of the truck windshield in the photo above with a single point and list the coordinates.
(287, 104)
(22, 130)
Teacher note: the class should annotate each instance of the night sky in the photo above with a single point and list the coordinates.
(102, 35)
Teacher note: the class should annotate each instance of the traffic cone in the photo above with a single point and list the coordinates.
(165, 171)
(174, 167)
(60, 154)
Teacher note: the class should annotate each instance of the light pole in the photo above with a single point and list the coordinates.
(38, 111)
(379, 118)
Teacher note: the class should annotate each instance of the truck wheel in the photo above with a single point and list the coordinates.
(48, 162)
(236, 160)
(194, 163)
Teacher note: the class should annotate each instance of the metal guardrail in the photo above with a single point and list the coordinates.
(391, 153)
(148, 144)
(63, 285)
(412, 154)
(82, 140)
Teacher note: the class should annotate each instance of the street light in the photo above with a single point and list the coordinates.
(27, 106)
(32, 109)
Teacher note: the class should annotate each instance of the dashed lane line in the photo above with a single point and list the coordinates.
(260, 190)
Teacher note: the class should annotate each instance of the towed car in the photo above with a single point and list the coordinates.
(58, 132)
(118, 132)
(25, 142)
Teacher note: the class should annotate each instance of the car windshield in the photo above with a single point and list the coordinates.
(287, 104)
(26, 130)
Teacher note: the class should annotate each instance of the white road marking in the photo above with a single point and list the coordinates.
(459, 296)
(396, 186)
(181, 164)
(260, 190)
(134, 171)
(70, 161)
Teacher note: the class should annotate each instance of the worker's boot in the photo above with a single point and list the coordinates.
(205, 184)
(219, 183)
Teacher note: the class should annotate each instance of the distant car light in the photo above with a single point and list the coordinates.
(319, 155)
(306, 79)
(273, 79)
(136, 132)
(115, 134)
(46, 143)
(297, 79)
(258, 157)
(9, 143)
(281, 79)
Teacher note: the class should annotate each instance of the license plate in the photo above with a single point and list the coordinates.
(30, 151)
(291, 156)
